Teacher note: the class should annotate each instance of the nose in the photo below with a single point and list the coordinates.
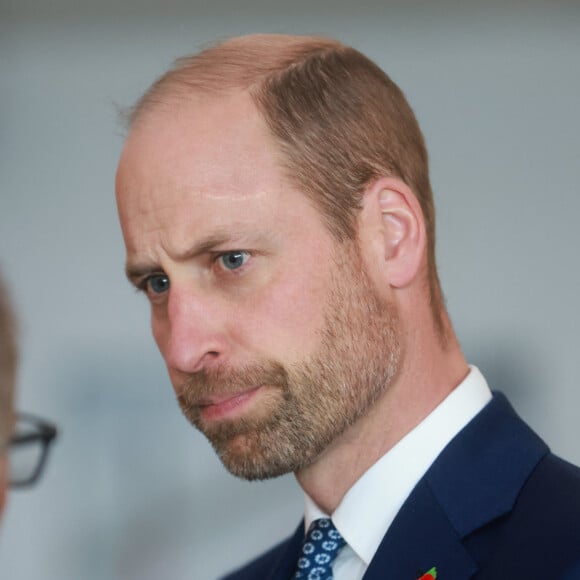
(191, 332)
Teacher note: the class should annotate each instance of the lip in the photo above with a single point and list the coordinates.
(226, 406)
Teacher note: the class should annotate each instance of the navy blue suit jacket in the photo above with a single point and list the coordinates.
(495, 505)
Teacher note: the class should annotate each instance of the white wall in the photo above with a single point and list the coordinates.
(132, 492)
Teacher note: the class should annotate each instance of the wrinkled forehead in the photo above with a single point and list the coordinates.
(201, 130)
(216, 145)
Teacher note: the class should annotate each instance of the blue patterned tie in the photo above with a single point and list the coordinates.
(320, 548)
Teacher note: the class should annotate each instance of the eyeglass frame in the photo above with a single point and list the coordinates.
(45, 432)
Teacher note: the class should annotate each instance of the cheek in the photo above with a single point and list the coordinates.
(287, 316)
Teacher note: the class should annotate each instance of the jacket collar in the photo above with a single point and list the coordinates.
(479, 475)
(476, 479)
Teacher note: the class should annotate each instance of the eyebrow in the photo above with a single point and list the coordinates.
(137, 271)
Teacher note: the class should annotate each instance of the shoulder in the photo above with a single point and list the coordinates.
(514, 503)
(541, 535)
(550, 499)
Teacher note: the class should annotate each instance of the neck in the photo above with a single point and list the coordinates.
(430, 370)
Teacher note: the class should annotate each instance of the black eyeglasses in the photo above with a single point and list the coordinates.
(28, 449)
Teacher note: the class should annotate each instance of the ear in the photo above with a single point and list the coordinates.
(397, 230)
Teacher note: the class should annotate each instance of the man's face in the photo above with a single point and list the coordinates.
(273, 335)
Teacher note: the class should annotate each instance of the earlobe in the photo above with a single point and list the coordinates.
(402, 230)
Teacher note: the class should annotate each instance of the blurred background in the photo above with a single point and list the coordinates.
(132, 492)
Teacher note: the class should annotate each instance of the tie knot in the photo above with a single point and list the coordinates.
(320, 548)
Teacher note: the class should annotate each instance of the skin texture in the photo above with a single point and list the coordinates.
(307, 355)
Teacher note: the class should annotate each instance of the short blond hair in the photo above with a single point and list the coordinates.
(339, 120)
(8, 364)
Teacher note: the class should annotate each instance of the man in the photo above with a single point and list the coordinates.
(275, 203)
(8, 360)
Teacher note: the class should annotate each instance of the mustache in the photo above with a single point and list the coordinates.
(228, 381)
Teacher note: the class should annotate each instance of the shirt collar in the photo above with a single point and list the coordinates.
(371, 504)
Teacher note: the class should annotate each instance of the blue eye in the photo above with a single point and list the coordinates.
(234, 260)
(158, 284)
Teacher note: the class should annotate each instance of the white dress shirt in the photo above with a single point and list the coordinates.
(369, 507)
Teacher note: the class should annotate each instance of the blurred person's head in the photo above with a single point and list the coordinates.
(8, 363)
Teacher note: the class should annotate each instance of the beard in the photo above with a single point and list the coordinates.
(309, 403)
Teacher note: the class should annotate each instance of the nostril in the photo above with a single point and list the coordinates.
(207, 360)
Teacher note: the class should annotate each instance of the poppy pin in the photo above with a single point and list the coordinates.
(429, 575)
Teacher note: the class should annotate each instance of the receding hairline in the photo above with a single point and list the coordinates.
(237, 64)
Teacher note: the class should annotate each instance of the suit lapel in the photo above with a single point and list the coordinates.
(285, 566)
(421, 537)
(476, 479)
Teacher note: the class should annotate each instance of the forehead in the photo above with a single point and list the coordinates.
(202, 141)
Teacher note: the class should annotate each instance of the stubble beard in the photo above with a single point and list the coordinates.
(311, 402)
